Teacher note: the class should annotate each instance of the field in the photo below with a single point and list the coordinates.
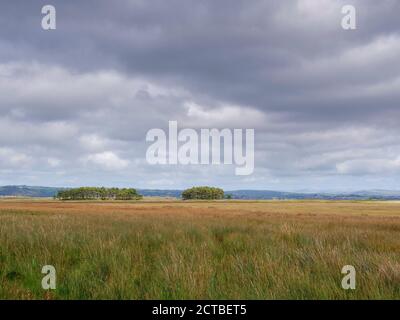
(199, 250)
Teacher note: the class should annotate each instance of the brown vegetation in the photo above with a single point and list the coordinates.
(182, 250)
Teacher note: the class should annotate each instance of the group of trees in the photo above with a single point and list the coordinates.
(203, 193)
(93, 193)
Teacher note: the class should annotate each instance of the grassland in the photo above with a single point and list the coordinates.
(199, 250)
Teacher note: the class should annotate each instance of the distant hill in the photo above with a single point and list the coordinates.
(28, 191)
(358, 195)
(45, 192)
(160, 193)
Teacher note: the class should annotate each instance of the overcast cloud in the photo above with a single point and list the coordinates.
(76, 102)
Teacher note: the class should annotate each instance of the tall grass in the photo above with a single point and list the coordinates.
(199, 251)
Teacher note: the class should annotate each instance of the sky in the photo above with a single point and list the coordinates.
(77, 102)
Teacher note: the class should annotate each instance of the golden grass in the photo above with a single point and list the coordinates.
(199, 250)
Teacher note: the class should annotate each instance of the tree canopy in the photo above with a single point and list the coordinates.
(203, 193)
(94, 193)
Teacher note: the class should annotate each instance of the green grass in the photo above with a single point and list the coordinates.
(154, 253)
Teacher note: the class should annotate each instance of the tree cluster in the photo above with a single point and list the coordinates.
(94, 193)
(203, 193)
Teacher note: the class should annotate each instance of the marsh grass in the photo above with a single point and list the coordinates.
(265, 250)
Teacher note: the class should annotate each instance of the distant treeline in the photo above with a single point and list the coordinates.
(203, 193)
(93, 193)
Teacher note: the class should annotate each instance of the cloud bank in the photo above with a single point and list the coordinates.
(76, 102)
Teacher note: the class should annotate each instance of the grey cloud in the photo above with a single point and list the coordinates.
(323, 101)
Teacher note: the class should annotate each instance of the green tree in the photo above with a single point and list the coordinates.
(94, 193)
(203, 193)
